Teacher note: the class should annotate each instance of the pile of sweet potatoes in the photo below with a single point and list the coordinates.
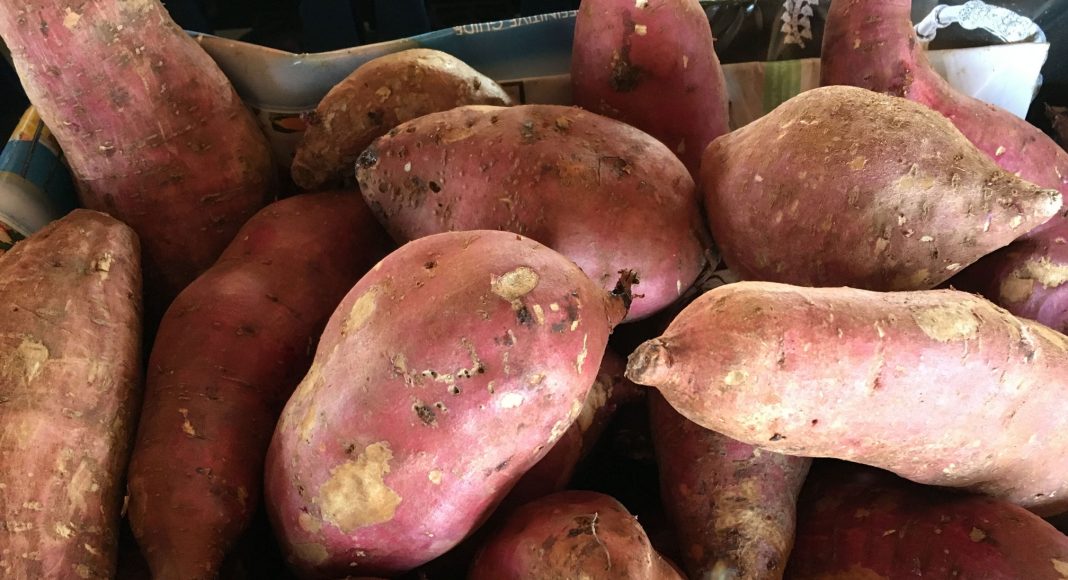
(414, 374)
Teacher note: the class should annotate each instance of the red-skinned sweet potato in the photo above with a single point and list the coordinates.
(864, 190)
(858, 522)
(600, 192)
(873, 45)
(153, 131)
(732, 504)
(571, 534)
(446, 372)
(650, 64)
(70, 374)
(229, 352)
(940, 387)
(377, 97)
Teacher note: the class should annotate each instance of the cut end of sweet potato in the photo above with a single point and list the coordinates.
(650, 364)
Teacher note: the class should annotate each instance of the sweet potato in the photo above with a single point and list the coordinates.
(446, 372)
(377, 97)
(650, 64)
(856, 522)
(228, 354)
(864, 190)
(70, 371)
(600, 192)
(732, 504)
(571, 534)
(940, 387)
(153, 131)
(873, 45)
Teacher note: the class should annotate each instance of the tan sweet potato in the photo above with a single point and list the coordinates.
(446, 372)
(862, 190)
(650, 64)
(602, 193)
(153, 131)
(229, 352)
(873, 45)
(732, 504)
(377, 97)
(571, 534)
(940, 387)
(70, 371)
(857, 522)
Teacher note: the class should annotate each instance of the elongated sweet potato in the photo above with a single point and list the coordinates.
(857, 522)
(873, 45)
(940, 387)
(732, 504)
(228, 354)
(70, 371)
(600, 192)
(571, 534)
(377, 97)
(154, 133)
(447, 371)
(650, 64)
(864, 190)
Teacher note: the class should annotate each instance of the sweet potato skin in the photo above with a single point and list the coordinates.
(858, 522)
(229, 352)
(1029, 278)
(865, 190)
(478, 341)
(873, 45)
(377, 97)
(964, 389)
(70, 384)
(600, 192)
(732, 504)
(554, 472)
(651, 64)
(153, 131)
(571, 534)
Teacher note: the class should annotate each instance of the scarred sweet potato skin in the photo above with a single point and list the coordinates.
(70, 373)
(864, 190)
(966, 394)
(571, 534)
(229, 352)
(1028, 278)
(651, 64)
(600, 192)
(873, 45)
(446, 372)
(732, 504)
(377, 97)
(153, 131)
(858, 522)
